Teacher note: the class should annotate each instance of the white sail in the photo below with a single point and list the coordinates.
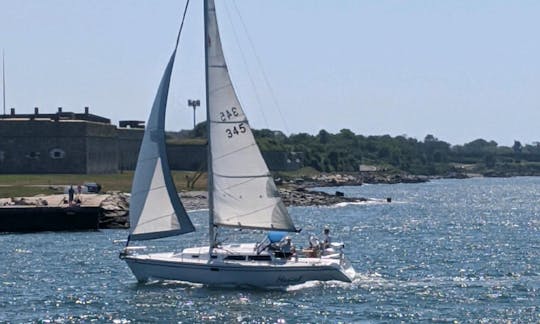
(155, 209)
(244, 194)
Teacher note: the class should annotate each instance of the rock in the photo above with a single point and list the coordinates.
(114, 211)
(28, 201)
(299, 196)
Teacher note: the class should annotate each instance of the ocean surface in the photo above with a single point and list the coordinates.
(443, 251)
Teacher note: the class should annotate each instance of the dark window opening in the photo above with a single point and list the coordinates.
(33, 155)
(259, 258)
(236, 257)
(57, 153)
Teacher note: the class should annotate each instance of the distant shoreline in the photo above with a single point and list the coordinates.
(299, 192)
(357, 179)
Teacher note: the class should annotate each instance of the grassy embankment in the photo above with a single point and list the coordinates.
(26, 185)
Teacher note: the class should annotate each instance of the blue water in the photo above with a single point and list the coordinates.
(444, 251)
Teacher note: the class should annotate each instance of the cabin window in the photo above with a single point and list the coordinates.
(236, 257)
(259, 258)
(195, 256)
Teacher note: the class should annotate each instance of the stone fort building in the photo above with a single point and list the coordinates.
(83, 143)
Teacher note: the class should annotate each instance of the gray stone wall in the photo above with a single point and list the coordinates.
(181, 157)
(129, 142)
(34, 146)
(101, 148)
(86, 147)
(186, 157)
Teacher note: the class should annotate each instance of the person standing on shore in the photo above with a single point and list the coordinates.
(71, 193)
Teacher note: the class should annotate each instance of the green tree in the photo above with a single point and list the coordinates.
(517, 147)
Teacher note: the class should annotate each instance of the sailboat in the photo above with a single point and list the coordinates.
(241, 195)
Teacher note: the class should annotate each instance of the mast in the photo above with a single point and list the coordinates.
(211, 234)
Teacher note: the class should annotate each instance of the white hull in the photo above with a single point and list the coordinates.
(193, 265)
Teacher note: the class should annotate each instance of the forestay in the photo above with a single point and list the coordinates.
(244, 193)
(155, 209)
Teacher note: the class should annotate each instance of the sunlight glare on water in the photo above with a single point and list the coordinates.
(447, 250)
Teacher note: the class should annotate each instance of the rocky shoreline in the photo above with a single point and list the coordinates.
(115, 208)
(357, 179)
(300, 196)
(115, 211)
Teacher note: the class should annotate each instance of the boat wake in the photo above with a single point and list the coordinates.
(371, 201)
(360, 280)
(169, 284)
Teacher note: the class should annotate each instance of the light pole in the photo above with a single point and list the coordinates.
(3, 81)
(194, 104)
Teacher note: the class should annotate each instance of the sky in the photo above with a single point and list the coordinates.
(459, 70)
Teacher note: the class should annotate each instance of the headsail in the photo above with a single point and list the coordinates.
(244, 193)
(155, 209)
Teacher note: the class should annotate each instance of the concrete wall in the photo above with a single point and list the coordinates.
(186, 157)
(46, 146)
(101, 148)
(129, 142)
(181, 157)
(86, 147)
(28, 146)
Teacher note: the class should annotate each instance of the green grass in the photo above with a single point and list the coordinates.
(10, 192)
(18, 185)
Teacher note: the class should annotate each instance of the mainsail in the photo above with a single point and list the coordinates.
(155, 209)
(243, 191)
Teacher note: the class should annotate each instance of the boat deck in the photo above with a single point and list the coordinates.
(236, 265)
(239, 254)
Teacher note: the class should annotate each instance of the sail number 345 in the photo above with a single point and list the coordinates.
(236, 129)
